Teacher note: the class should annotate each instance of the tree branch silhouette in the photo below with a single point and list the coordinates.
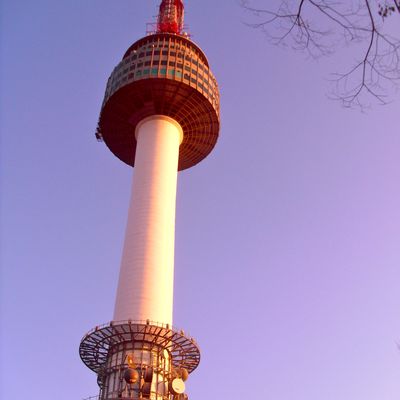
(293, 23)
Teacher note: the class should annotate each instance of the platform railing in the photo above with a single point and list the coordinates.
(142, 322)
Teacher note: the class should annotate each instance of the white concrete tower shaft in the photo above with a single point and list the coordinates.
(145, 288)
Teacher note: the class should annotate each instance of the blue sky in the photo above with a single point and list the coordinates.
(287, 236)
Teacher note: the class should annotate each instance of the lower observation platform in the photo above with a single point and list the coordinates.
(95, 345)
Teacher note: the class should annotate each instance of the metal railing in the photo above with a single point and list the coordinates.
(140, 322)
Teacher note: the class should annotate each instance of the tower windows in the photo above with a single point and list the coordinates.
(159, 59)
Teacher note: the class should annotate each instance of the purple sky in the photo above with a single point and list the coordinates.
(287, 248)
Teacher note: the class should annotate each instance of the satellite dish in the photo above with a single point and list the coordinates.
(146, 389)
(176, 386)
(131, 375)
(184, 374)
(174, 373)
(148, 374)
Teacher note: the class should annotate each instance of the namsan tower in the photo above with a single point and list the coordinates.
(160, 114)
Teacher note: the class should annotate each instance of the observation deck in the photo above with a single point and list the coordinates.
(162, 74)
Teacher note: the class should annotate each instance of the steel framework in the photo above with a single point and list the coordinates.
(96, 344)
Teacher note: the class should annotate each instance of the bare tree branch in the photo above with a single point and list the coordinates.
(351, 22)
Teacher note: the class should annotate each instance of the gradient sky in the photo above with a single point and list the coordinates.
(288, 234)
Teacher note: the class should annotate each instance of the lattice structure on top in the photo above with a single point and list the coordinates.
(170, 18)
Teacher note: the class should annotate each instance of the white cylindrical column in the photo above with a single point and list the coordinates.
(145, 288)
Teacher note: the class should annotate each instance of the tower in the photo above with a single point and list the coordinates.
(160, 114)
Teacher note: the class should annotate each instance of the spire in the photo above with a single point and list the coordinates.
(170, 18)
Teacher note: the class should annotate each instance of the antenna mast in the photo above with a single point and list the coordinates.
(170, 18)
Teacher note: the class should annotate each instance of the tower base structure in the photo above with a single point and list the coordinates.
(139, 360)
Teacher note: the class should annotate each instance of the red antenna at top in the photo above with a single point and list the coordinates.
(170, 18)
